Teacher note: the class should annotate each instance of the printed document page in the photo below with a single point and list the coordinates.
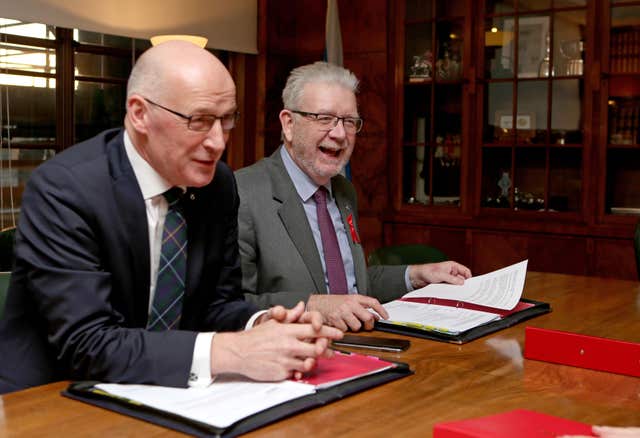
(444, 319)
(501, 289)
(232, 398)
(221, 404)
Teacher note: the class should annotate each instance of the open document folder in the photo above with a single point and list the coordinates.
(232, 404)
(458, 314)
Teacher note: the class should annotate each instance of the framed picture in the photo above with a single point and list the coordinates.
(532, 46)
(504, 127)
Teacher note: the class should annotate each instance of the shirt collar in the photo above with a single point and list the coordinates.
(150, 182)
(301, 181)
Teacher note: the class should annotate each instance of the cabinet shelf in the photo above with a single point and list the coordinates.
(623, 146)
(507, 144)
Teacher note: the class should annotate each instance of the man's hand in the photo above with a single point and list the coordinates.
(347, 311)
(609, 432)
(275, 349)
(295, 314)
(444, 272)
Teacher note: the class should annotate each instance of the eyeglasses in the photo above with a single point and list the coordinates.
(203, 122)
(352, 125)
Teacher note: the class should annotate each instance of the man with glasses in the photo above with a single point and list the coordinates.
(298, 228)
(127, 256)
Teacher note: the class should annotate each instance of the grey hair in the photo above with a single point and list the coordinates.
(314, 73)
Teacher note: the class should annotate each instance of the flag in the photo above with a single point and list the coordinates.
(333, 36)
(333, 48)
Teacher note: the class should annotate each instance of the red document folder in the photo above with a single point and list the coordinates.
(343, 367)
(583, 351)
(519, 423)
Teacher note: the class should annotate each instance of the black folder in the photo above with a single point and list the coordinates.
(538, 308)
(85, 392)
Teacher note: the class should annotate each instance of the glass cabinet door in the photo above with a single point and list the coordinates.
(532, 134)
(433, 95)
(622, 195)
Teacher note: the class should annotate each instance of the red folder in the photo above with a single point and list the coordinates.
(582, 351)
(343, 367)
(518, 423)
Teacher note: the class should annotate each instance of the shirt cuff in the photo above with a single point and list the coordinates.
(200, 375)
(253, 318)
(407, 280)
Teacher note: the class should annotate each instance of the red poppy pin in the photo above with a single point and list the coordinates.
(354, 234)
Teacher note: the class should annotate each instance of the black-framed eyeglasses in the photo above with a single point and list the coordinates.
(352, 125)
(203, 122)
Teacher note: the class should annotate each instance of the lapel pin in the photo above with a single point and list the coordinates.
(354, 233)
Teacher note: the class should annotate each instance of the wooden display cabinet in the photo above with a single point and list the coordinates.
(433, 104)
(622, 137)
(529, 147)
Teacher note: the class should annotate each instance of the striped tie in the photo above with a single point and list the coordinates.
(172, 268)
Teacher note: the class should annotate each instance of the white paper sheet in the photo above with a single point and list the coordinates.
(221, 404)
(501, 289)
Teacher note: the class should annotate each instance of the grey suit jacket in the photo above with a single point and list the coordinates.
(280, 260)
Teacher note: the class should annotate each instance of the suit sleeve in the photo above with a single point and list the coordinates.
(70, 287)
(386, 283)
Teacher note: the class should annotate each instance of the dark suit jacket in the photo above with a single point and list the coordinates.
(280, 260)
(79, 295)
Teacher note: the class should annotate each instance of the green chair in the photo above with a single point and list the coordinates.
(4, 287)
(406, 255)
(7, 238)
(636, 243)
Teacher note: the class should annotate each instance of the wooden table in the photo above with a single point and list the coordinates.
(486, 376)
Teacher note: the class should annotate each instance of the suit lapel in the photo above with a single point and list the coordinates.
(295, 220)
(131, 207)
(347, 207)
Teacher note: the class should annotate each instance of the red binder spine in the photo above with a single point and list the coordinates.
(582, 351)
(464, 305)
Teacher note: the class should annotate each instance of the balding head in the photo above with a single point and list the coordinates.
(163, 67)
(169, 84)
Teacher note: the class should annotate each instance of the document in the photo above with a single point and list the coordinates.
(453, 309)
(221, 404)
(233, 398)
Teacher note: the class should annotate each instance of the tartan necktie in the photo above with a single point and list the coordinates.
(172, 267)
(330, 248)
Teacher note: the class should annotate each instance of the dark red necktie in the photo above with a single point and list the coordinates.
(330, 247)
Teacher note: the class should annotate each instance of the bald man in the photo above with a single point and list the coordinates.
(89, 297)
